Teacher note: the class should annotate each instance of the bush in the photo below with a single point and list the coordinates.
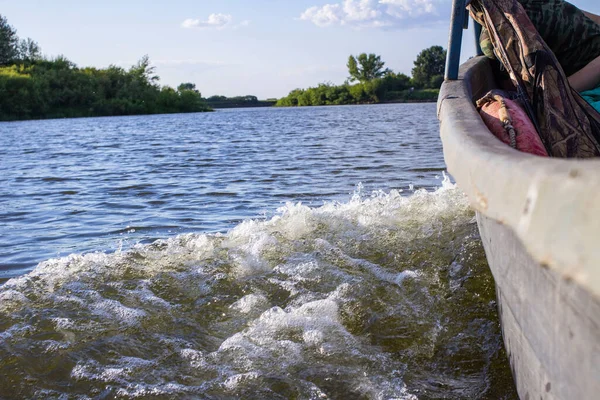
(57, 88)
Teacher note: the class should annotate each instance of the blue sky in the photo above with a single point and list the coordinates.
(238, 47)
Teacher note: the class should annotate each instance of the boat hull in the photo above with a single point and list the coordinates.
(549, 325)
(539, 220)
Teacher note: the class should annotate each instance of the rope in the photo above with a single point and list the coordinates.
(504, 116)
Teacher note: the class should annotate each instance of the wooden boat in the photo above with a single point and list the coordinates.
(539, 220)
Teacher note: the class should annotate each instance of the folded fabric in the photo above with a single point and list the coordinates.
(592, 97)
(507, 120)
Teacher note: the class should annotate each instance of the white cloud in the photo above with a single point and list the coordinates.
(323, 16)
(373, 13)
(216, 21)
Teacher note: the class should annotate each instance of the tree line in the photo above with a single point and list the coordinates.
(32, 86)
(238, 102)
(370, 82)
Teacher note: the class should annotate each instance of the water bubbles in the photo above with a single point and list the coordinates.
(338, 301)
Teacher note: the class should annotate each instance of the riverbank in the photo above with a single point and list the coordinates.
(268, 104)
(50, 89)
(238, 102)
(324, 95)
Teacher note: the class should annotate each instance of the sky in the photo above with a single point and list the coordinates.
(239, 47)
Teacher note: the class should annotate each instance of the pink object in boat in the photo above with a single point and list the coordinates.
(494, 112)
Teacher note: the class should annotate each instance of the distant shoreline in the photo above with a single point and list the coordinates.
(259, 104)
(368, 93)
(51, 118)
(333, 105)
(397, 101)
(219, 108)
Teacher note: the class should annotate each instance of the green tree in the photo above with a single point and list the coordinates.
(57, 88)
(395, 82)
(365, 67)
(9, 42)
(353, 69)
(187, 86)
(144, 72)
(429, 67)
(29, 50)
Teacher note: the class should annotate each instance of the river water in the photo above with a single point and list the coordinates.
(311, 253)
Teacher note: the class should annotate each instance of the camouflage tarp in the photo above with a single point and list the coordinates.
(567, 124)
(569, 33)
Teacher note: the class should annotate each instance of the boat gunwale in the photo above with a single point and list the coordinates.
(552, 204)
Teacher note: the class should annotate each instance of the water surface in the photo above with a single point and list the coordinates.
(78, 185)
(268, 253)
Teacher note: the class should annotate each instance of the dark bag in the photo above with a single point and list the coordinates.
(568, 126)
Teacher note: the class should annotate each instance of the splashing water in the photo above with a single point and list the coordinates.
(382, 297)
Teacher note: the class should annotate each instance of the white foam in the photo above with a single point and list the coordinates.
(268, 298)
(250, 304)
(196, 358)
(12, 299)
(114, 310)
(234, 381)
(313, 337)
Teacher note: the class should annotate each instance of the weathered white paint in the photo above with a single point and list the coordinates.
(553, 205)
(551, 326)
(539, 220)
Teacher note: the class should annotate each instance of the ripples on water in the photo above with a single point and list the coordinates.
(71, 186)
(376, 296)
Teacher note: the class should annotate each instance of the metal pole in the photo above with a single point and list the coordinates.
(477, 35)
(457, 21)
